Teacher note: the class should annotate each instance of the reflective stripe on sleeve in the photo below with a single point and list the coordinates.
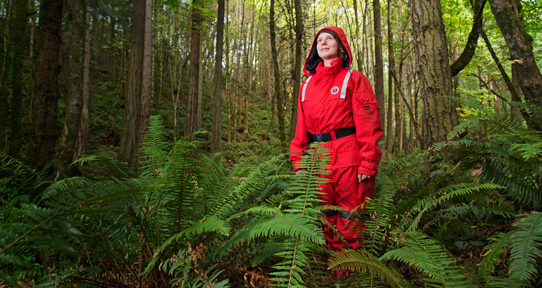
(345, 84)
(305, 88)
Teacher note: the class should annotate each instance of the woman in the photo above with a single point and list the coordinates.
(337, 106)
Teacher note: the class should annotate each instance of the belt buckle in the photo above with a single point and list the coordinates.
(319, 137)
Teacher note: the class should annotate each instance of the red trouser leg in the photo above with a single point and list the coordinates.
(347, 192)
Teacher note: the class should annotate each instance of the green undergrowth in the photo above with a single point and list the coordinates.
(461, 214)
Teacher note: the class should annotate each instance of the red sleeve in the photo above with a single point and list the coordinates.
(367, 121)
(299, 143)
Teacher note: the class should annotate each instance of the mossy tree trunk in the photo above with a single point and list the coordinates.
(278, 90)
(439, 115)
(508, 16)
(19, 28)
(379, 63)
(216, 143)
(298, 64)
(74, 103)
(137, 101)
(46, 93)
(191, 119)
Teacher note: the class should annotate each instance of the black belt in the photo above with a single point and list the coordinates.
(325, 137)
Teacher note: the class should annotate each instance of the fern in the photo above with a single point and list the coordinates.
(446, 194)
(522, 188)
(182, 181)
(525, 245)
(495, 250)
(380, 211)
(154, 147)
(428, 256)
(365, 262)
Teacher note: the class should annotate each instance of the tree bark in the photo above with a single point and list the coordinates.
(137, 101)
(4, 91)
(439, 115)
(472, 40)
(216, 143)
(514, 88)
(393, 119)
(72, 121)
(19, 28)
(191, 118)
(278, 90)
(298, 63)
(379, 63)
(521, 51)
(81, 144)
(46, 93)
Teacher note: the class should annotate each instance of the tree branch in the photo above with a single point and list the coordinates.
(472, 41)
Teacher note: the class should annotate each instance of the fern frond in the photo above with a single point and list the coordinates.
(361, 260)
(380, 211)
(519, 188)
(210, 225)
(499, 242)
(268, 251)
(428, 256)
(153, 150)
(497, 282)
(109, 166)
(526, 247)
(446, 194)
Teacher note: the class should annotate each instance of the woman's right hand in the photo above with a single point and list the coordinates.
(300, 171)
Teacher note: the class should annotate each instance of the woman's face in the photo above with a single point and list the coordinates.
(327, 46)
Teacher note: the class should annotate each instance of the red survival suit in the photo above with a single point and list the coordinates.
(332, 98)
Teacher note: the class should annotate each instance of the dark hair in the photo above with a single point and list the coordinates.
(342, 53)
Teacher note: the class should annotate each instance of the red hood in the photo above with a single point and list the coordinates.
(313, 59)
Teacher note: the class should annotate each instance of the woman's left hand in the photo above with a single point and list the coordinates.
(362, 177)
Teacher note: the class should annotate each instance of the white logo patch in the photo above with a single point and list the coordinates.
(335, 90)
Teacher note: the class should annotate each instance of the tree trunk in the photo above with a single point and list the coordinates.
(81, 144)
(512, 85)
(472, 41)
(358, 44)
(191, 118)
(72, 122)
(298, 63)
(216, 143)
(439, 115)
(137, 102)
(379, 63)
(4, 91)
(278, 90)
(521, 51)
(392, 138)
(46, 95)
(19, 28)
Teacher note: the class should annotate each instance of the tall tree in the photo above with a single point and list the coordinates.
(19, 28)
(391, 140)
(439, 115)
(137, 100)
(216, 143)
(66, 150)
(508, 14)
(278, 90)
(46, 93)
(379, 63)
(81, 144)
(191, 119)
(4, 91)
(298, 63)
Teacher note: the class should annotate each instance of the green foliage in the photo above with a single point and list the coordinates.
(367, 263)
(427, 255)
